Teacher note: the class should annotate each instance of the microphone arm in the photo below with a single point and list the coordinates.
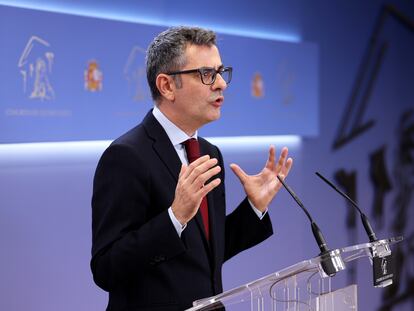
(367, 226)
(330, 261)
(315, 229)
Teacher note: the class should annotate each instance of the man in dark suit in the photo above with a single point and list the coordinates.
(160, 230)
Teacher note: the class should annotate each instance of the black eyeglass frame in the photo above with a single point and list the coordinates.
(201, 71)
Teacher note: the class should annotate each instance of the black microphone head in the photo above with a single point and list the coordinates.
(319, 238)
(368, 229)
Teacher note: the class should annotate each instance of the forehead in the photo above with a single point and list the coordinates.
(202, 56)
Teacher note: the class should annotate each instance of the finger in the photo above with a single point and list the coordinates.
(285, 171)
(287, 167)
(239, 172)
(282, 159)
(201, 169)
(271, 159)
(203, 178)
(195, 164)
(182, 170)
(202, 192)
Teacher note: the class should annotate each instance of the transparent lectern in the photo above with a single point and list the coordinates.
(307, 285)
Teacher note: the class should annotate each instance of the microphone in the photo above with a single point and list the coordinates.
(331, 262)
(367, 226)
(382, 258)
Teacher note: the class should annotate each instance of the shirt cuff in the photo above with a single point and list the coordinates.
(257, 212)
(177, 225)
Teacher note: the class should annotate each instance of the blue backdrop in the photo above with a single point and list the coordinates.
(64, 73)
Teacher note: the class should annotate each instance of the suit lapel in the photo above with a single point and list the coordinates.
(168, 155)
(162, 145)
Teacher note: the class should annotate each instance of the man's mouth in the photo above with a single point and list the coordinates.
(219, 101)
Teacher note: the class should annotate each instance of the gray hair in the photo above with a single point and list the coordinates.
(167, 52)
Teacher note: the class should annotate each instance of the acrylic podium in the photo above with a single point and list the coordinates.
(307, 285)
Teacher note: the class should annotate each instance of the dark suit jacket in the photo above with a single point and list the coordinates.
(137, 255)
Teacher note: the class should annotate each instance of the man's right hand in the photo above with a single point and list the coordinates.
(192, 187)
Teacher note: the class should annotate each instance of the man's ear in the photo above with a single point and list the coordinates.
(166, 86)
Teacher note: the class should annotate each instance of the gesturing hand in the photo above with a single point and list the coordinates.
(192, 187)
(262, 188)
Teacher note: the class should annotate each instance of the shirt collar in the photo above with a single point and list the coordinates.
(174, 133)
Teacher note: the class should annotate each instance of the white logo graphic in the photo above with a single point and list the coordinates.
(384, 264)
(135, 73)
(35, 65)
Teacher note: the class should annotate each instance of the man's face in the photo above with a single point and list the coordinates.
(195, 102)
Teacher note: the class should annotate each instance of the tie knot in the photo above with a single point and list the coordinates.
(192, 148)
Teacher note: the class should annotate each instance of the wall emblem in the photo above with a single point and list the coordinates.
(135, 74)
(35, 65)
(93, 77)
(257, 85)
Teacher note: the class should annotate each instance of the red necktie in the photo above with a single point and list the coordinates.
(192, 148)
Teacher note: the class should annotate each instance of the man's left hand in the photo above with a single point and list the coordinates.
(262, 188)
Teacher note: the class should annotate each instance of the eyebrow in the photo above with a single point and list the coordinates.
(219, 67)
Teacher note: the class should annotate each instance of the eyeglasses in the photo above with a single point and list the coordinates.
(208, 74)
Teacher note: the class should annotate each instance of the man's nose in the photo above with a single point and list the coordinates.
(220, 83)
